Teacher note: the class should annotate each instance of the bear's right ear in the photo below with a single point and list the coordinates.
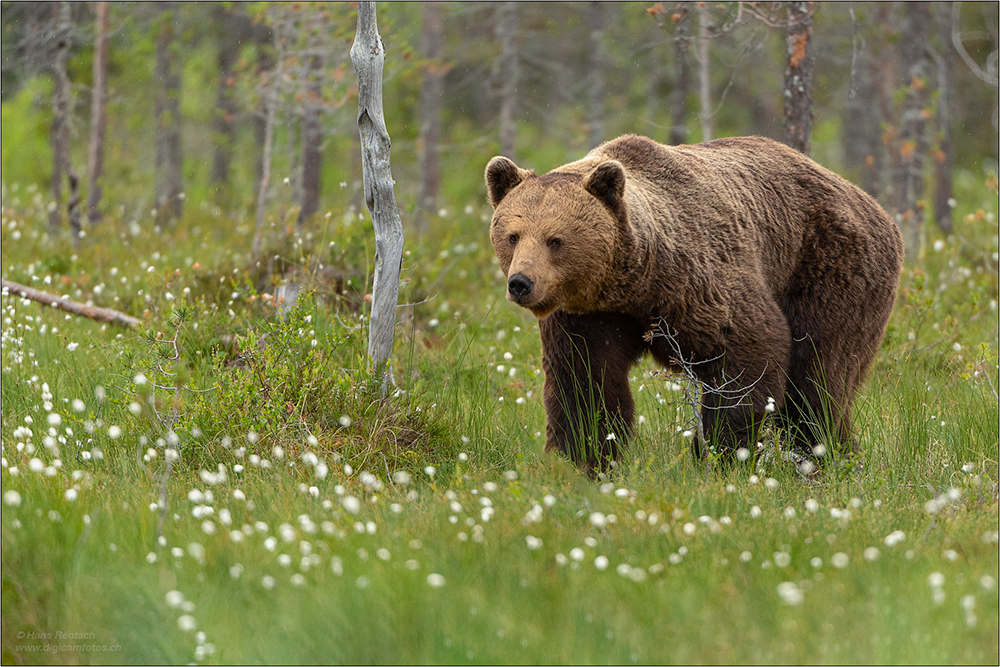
(607, 183)
(502, 175)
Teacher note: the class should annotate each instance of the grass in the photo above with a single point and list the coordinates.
(303, 520)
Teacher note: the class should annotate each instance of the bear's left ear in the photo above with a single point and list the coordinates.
(607, 183)
(502, 176)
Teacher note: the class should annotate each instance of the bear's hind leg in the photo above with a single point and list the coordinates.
(821, 385)
(747, 381)
(837, 316)
(588, 402)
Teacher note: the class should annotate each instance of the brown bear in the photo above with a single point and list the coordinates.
(767, 275)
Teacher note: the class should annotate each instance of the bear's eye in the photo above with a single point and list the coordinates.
(555, 243)
(512, 239)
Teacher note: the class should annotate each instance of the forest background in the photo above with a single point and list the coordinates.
(214, 473)
(895, 90)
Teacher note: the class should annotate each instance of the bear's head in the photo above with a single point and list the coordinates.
(557, 236)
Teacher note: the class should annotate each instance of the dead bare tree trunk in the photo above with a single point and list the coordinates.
(98, 117)
(61, 103)
(909, 190)
(368, 57)
(431, 99)
(705, 70)
(312, 142)
(944, 155)
(798, 77)
(168, 177)
(595, 91)
(508, 75)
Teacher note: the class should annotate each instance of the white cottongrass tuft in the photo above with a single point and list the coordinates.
(351, 504)
(435, 580)
(790, 593)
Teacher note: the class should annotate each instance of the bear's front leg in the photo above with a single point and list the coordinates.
(588, 403)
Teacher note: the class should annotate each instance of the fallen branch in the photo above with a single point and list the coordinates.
(109, 315)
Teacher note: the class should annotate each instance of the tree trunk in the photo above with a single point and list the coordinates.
(944, 156)
(312, 142)
(862, 129)
(509, 71)
(223, 128)
(431, 99)
(798, 77)
(265, 67)
(912, 147)
(682, 80)
(705, 71)
(98, 117)
(168, 177)
(595, 90)
(61, 105)
(887, 77)
(368, 57)
(270, 101)
(73, 206)
(655, 77)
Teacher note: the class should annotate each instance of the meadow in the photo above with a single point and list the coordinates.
(224, 485)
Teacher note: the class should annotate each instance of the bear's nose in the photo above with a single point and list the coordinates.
(519, 285)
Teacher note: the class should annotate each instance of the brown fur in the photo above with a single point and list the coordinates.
(774, 274)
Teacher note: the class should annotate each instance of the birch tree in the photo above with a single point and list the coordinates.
(368, 57)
